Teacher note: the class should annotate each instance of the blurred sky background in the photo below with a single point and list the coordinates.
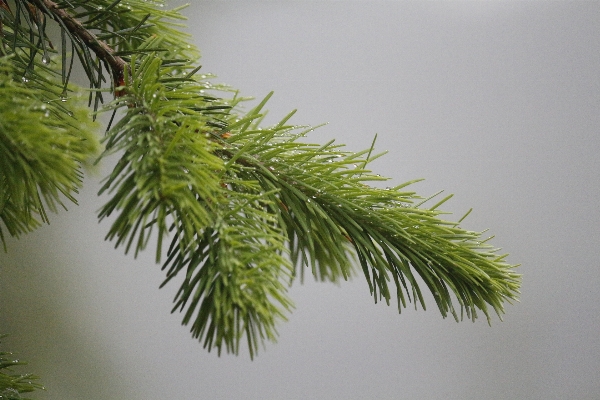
(496, 102)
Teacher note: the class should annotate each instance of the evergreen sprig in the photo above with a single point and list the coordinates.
(12, 385)
(325, 205)
(43, 142)
(247, 208)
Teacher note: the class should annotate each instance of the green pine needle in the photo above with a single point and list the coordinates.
(43, 145)
(12, 385)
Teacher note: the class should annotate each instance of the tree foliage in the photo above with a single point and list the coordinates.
(239, 209)
(12, 385)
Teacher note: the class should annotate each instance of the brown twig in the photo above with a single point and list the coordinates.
(104, 52)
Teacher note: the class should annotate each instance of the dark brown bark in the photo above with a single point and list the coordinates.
(104, 52)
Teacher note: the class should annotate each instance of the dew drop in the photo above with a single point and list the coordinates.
(24, 79)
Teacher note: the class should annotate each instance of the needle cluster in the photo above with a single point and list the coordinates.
(13, 384)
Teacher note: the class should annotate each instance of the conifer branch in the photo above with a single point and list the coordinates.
(246, 207)
(12, 385)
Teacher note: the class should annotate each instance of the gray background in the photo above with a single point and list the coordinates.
(496, 102)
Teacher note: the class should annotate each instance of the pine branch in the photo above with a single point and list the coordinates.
(42, 145)
(246, 208)
(326, 207)
(13, 385)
